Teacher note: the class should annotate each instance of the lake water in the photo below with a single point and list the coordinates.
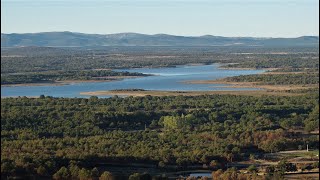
(201, 175)
(168, 79)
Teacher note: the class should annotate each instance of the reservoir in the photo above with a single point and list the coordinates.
(167, 79)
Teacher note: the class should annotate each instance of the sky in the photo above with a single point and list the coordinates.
(232, 18)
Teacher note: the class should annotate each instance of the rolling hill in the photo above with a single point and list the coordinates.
(71, 39)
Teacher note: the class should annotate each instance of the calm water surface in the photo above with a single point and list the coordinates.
(169, 79)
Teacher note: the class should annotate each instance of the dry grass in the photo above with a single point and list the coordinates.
(241, 68)
(186, 93)
(254, 85)
(274, 72)
(309, 176)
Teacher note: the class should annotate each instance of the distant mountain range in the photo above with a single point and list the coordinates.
(71, 39)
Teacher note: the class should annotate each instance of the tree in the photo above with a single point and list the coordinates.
(62, 173)
(135, 176)
(6, 167)
(252, 168)
(252, 157)
(84, 174)
(172, 122)
(217, 174)
(230, 173)
(161, 164)
(41, 170)
(106, 175)
(311, 125)
(286, 123)
(74, 169)
(214, 164)
(95, 172)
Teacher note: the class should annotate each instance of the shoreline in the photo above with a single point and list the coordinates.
(56, 83)
(35, 84)
(117, 78)
(194, 64)
(185, 93)
(68, 82)
(275, 72)
(242, 68)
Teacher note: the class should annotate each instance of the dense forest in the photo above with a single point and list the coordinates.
(47, 135)
(279, 61)
(278, 79)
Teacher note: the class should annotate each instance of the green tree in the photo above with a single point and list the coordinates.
(161, 164)
(74, 169)
(95, 172)
(311, 125)
(135, 176)
(62, 173)
(84, 174)
(106, 175)
(7, 167)
(252, 157)
(252, 168)
(41, 170)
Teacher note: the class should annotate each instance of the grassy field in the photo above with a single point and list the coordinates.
(311, 154)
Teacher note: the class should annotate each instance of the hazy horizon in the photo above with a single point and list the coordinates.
(228, 18)
(161, 34)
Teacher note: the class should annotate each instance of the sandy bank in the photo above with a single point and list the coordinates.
(184, 93)
(253, 85)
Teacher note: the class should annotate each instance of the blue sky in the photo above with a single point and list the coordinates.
(256, 18)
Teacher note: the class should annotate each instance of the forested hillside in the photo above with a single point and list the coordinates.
(39, 136)
(64, 39)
